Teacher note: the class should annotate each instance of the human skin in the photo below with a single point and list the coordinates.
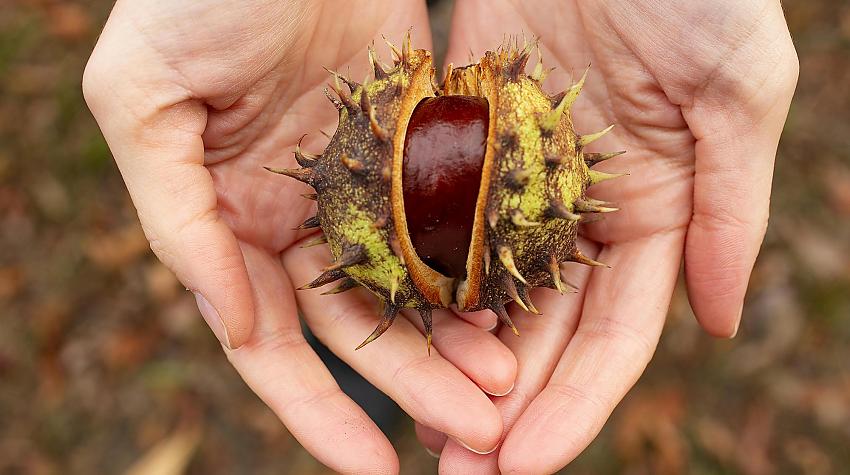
(193, 98)
(700, 92)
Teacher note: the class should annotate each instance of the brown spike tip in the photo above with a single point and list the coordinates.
(510, 288)
(499, 309)
(507, 258)
(526, 297)
(343, 286)
(425, 314)
(591, 159)
(351, 255)
(304, 175)
(577, 256)
(316, 241)
(326, 277)
(309, 223)
(387, 319)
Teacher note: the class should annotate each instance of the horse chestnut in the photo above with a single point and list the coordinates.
(467, 193)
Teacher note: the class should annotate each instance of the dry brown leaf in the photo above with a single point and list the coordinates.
(162, 285)
(118, 248)
(649, 431)
(69, 20)
(806, 455)
(11, 281)
(716, 439)
(837, 183)
(753, 450)
(169, 456)
(128, 347)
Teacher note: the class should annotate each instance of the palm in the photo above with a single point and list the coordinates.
(578, 361)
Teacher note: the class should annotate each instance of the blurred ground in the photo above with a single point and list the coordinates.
(104, 362)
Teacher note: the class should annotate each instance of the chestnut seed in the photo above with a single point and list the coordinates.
(443, 157)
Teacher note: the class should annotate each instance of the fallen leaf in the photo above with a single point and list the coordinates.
(753, 449)
(649, 431)
(805, 454)
(119, 248)
(69, 20)
(837, 180)
(169, 456)
(11, 281)
(162, 285)
(716, 439)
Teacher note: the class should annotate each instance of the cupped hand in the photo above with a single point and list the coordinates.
(194, 98)
(699, 92)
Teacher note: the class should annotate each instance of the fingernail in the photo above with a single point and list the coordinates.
(495, 324)
(502, 394)
(737, 322)
(432, 454)
(213, 319)
(476, 451)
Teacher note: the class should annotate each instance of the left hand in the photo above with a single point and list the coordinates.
(699, 92)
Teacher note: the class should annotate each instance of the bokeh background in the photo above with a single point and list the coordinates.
(106, 367)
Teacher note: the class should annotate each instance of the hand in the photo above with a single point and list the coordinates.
(194, 98)
(699, 92)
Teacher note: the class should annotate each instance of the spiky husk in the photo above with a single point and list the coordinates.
(530, 202)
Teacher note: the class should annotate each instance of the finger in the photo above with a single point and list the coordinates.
(737, 133)
(541, 343)
(484, 319)
(621, 321)
(477, 353)
(432, 440)
(154, 132)
(279, 365)
(429, 388)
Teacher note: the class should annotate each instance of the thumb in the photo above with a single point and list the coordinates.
(154, 134)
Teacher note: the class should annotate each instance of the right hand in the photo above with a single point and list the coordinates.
(194, 97)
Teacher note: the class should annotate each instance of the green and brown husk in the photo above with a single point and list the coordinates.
(530, 201)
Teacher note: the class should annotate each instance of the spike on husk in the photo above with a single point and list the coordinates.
(326, 277)
(592, 206)
(316, 241)
(499, 309)
(351, 255)
(577, 256)
(586, 140)
(507, 258)
(304, 175)
(427, 324)
(347, 284)
(598, 177)
(526, 297)
(510, 288)
(305, 160)
(387, 319)
(309, 223)
(591, 159)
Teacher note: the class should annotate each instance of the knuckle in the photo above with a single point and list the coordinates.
(182, 244)
(569, 394)
(614, 331)
(409, 367)
(286, 340)
(93, 83)
(791, 68)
